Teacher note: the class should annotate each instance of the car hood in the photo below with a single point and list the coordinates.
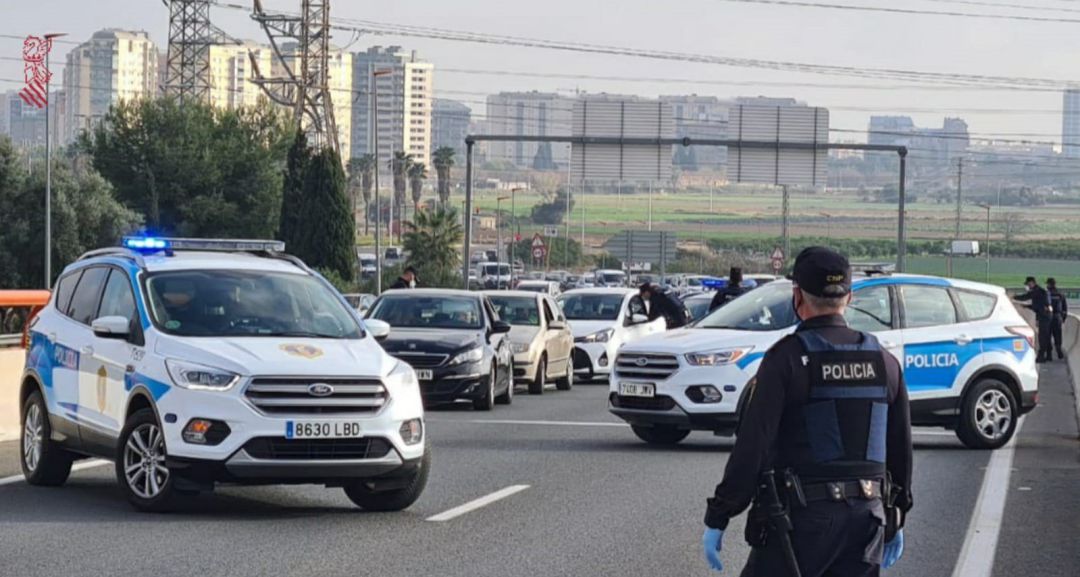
(254, 356)
(441, 341)
(689, 340)
(583, 328)
(523, 334)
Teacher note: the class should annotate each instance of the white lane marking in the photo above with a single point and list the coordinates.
(477, 503)
(76, 467)
(980, 544)
(539, 423)
(933, 433)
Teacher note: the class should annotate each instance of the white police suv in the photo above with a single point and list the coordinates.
(967, 354)
(192, 362)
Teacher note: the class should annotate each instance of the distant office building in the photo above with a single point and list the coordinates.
(5, 122)
(699, 117)
(340, 76)
(529, 114)
(450, 122)
(891, 130)
(25, 123)
(1070, 124)
(935, 147)
(767, 101)
(113, 66)
(405, 98)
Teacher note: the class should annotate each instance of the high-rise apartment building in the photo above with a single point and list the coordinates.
(450, 121)
(405, 88)
(340, 78)
(935, 147)
(528, 114)
(113, 66)
(25, 124)
(231, 73)
(1070, 124)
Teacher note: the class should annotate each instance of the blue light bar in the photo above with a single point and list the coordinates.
(144, 243)
(153, 244)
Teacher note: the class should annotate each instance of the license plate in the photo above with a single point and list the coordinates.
(322, 430)
(424, 374)
(637, 389)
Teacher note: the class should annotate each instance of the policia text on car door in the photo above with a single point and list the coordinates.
(824, 449)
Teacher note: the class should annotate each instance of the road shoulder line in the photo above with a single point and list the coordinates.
(76, 467)
(477, 504)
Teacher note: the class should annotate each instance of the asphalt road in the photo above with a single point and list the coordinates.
(598, 502)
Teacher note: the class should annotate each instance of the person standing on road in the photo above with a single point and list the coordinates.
(732, 291)
(663, 303)
(1060, 311)
(1040, 305)
(824, 444)
(407, 280)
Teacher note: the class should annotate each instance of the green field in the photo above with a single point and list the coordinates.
(1006, 272)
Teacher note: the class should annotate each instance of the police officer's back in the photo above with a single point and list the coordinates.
(733, 290)
(664, 303)
(828, 412)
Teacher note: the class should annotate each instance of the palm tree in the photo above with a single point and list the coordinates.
(443, 159)
(361, 176)
(417, 175)
(399, 166)
(431, 241)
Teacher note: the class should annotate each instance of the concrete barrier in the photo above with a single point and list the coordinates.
(1071, 341)
(11, 367)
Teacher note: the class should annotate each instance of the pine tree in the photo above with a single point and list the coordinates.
(292, 194)
(326, 235)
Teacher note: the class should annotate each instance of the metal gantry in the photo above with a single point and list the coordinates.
(301, 46)
(187, 73)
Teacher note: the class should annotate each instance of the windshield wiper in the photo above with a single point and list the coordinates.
(299, 334)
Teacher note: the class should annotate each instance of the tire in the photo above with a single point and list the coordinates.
(44, 462)
(988, 415)
(395, 499)
(660, 435)
(565, 383)
(141, 451)
(507, 397)
(536, 387)
(487, 402)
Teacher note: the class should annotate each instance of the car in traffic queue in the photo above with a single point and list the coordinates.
(602, 320)
(967, 354)
(550, 288)
(454, 340)
(540, 338)
(193, 362)
(609, 278)
(494, 275)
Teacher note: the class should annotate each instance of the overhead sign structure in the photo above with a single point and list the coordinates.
(551, 231)
(613, 118)
(801, 134)
(640, 246)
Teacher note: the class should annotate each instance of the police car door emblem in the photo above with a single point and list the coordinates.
(320, 390)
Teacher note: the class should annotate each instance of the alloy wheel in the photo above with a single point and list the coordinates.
(33, 433)
(144, 461)
(993, 414)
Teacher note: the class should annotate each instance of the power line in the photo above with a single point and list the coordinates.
(909, 11)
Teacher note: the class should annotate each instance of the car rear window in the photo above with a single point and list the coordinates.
(977, 306)
(84, 303)
(65, 287)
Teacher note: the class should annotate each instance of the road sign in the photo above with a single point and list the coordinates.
(537, 241)
(611, 117)
(551, 231)
(777, 259)
(640, 246)
(539, 250)
(803, 125)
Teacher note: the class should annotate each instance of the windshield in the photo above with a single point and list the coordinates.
(613, 278)
(517, 310)
(222, 303)
(435, 312)
(698, 307)
(765, 309)
(367, 261)
(533, 288)
(596, 307)
(497, 270)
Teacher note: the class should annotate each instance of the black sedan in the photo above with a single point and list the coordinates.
(455, 342)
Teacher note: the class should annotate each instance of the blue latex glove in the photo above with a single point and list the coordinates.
(712, 541)
(893, 550)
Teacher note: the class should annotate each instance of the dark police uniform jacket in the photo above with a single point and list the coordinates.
(726, 295)
(774, 427)
(1040, 302)
(666, 304)
(400, 283)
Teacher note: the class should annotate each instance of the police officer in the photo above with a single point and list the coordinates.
(732, 291)
(1060, 311)
(1044, 312)
(828, 412)
(663, 303)
(407, 280)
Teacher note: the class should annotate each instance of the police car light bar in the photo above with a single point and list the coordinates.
(155, 244)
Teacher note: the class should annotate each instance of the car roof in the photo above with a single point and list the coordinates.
(199, 260)
(434, 292)
(601, 291)
(527, 294)
(537, 282)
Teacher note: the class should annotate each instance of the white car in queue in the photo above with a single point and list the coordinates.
(967, 354)
(602, 320)
(195, 362)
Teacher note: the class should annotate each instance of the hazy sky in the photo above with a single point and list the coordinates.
(714, 27)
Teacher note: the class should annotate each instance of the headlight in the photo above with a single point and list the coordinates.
(469, 356)
(520, 347)
(599, 336)
(718, 357)
(200, 377)
(402, 375)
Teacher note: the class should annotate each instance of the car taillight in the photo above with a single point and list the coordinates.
(1024, 331)
(31, 319)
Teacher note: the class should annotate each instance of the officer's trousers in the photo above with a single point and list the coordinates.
(830, 540)
(1045, 352)
(1055, 335)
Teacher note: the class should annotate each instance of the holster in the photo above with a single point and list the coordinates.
(757, 526)
(894, 517)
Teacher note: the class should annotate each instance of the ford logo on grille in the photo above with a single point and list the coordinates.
(320, 390)
(641, 361)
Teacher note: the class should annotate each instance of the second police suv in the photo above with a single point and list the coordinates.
(968, 358)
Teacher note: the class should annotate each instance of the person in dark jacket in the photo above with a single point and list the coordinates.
(663, 303)
(732, 291)
(407, 280)
(828, 414)
(1060, 311)
(1044, 312)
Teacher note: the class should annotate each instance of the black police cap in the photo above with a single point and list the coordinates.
(822, 272)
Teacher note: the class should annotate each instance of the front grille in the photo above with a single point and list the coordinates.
(421, 360)
(657, 403)
(280, 448)
(645, 366)
(290, 395)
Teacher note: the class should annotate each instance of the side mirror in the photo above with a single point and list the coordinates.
(638, 319)
(115, 327)
(500, 327)
(378, 329)
(556, 326)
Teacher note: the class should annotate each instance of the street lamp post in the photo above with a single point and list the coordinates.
(375, 74)
(987, 207)
(48, 163)
(828, 225)
(515, 226)
(498, 230)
